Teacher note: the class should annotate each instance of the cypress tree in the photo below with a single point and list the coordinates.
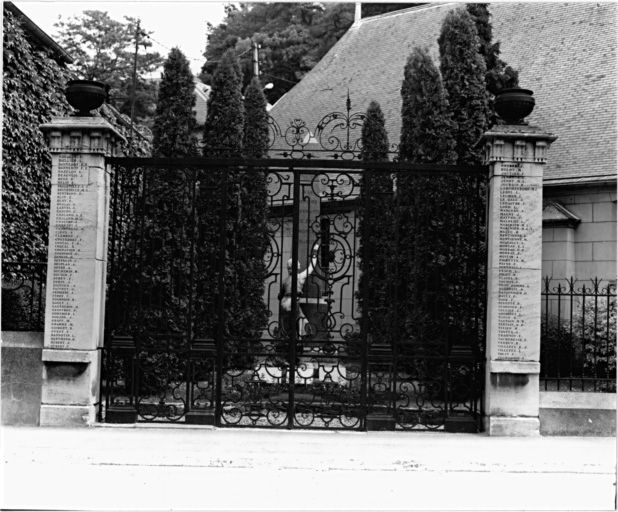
(498, 75)
(174, 121)
(219, 206)
(463, 72)
(376, 248)
(255, 136)
(223, 130)
(168, 222)
(426, 125)
(252, 232)
(423, 202)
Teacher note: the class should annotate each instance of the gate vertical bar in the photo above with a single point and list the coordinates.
(189, 376)
(107, 356)
(368, 254)
(293, 324)
(397, 299)
(221, 299)
(135, 373)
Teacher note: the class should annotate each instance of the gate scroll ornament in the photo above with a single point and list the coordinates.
(336, 136)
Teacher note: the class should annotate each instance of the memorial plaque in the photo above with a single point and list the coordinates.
(518, 230)
(67, 245)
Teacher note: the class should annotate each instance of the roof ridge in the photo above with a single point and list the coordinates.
(423, 7)
(39, 34)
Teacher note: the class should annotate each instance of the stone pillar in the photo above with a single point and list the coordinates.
(516, 155)
(77, 259)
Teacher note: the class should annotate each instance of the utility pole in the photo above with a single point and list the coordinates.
(256, 61)
(137, 34)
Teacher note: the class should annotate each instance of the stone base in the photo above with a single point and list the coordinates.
(578, 422)
(379, 422)
(200, 418)
(120, 415)
(68, 415)
(21, 370)
(566, 413)
(512, 426)
(461, 424)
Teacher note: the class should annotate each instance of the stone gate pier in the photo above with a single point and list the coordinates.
(516, 155)
(77, 259)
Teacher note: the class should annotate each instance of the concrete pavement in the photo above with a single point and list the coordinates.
(180, 468)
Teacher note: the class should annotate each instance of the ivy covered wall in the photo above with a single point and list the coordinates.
(32, 87)
(33, 92)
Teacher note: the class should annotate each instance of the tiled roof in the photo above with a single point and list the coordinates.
(565, 53)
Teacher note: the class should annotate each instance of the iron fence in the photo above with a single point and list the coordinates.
(23, 295)
(578, 335)
(174, 352)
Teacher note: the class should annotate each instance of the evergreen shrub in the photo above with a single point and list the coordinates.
(174, 122)
(232, 204)
(424, 203)
(376, 226)
(583, 345)
(498, 74)
(463, 73)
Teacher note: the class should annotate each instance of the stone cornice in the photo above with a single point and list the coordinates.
(81, 135)
(516, 143)
(80, 123)
(518, 131)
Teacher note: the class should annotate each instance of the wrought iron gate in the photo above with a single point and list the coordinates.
(181, 346)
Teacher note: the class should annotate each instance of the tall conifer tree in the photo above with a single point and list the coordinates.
(219, 207)
(168, 223)
(376, 225)
(252, 230)
(255, 137)
(423, 202)
(223, 130)
(498, 74)
(463, 72)
(426, 125)
(174, 123)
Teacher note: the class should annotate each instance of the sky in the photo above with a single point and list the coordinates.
(172, 23)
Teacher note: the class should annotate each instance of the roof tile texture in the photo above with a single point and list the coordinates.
(565, 53)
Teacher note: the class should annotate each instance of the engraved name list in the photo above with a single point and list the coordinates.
(514, 231)
(67, 244)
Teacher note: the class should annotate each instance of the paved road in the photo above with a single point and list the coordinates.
(146, 468)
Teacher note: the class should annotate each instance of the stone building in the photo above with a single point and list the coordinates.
(565, 53)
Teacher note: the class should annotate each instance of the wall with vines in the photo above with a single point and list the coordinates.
(33, 93)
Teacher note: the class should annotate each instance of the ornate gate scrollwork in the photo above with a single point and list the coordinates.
(313, 363)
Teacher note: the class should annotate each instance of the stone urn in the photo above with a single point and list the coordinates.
(85, 95)
(514, 104)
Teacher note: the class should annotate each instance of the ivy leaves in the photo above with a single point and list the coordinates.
(32, 94)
